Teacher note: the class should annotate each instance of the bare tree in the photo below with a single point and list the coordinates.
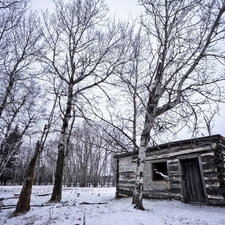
(23, 204)
(132, 84)
(89, 155)
(19, 41)
(184, 38)
(83, 51)
(20, 45)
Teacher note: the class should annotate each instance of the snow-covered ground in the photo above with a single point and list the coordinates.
(103, 209)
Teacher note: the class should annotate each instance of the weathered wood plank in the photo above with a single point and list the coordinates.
(125, 192)
(215, 190)
(173, 162)
(210, 174)
(208, 166)
(176, 182)
(174, 176)
(175, 187)
(175, 190)
(127, 174)
(207, 158)
(219, 202)
(175, 152)
(212, 181)
(174, 168)
(126, 183)
(155, 194)
(126, 169)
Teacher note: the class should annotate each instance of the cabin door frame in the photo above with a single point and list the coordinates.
(192, 182)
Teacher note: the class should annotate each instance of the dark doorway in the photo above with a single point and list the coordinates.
(191, 181)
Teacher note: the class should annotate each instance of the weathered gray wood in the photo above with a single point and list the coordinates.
(127, 175)
(210, 174)
(215, 190)
(174, 168)
(174, 152)
(220, 202)
(175, 190)
(172, 162)
(175, 183)
(125, 192)
(156, 194)
(207, 158)
(174, 155)
(208, 166)
(212, 181)
(126, 182)
(192, 184)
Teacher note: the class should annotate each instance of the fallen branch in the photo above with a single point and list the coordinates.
(2, 199)
(40, 195)
(93, 203)
(13, 206)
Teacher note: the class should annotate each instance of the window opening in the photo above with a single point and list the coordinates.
(160, 171)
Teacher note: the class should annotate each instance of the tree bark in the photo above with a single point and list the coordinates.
(138, 189)
(23, 204)
(57, 189)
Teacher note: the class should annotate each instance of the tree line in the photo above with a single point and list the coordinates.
(78, 86)
(88, 163)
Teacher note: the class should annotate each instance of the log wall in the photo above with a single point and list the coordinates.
(213, 167)
(126, 177)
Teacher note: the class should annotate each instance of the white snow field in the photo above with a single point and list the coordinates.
(98, 206)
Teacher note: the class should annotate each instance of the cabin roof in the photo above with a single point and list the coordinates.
(188, 143)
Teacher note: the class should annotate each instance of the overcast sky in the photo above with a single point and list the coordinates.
(125, 9)
(122, 8)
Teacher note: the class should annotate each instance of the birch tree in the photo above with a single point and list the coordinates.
(184, 39)
(84, 49)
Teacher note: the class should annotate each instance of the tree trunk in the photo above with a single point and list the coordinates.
(23, 204)
(57, 189)
(138, 189)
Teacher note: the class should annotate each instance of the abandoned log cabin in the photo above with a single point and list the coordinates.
(190, 170)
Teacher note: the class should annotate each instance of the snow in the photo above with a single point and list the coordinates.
(103, 210)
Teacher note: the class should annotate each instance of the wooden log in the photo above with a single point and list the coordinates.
(125, 192)
(174, 176)
(125, 182)
(212, 181)
(127, 168)
(218, 202)
(210, 174)
(156, 194)
(207, 158)
(175, 190)
(174, 168)
(215, 190)
(175, 182)
(208, 166)
(173, 163)
(173, 153)
(127, 176)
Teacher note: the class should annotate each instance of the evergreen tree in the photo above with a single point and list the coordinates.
(9, 149)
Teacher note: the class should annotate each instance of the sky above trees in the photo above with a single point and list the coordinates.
(122, 8)
(129, 9)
